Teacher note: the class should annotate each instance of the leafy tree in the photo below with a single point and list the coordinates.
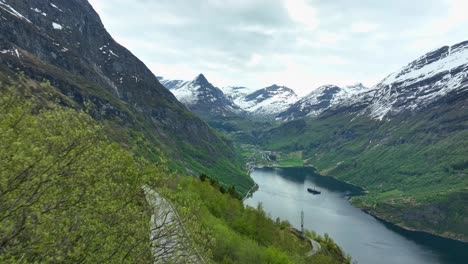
(203, 177)
(66, 193)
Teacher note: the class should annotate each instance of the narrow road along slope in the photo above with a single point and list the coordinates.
(170, 240)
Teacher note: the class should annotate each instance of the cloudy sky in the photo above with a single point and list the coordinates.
(298, 43)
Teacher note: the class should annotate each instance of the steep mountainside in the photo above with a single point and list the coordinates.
(415, 86)
(203, 98)
(268, 101)
(324, 98)
(65, 42)
(422, 82)
(405, 140)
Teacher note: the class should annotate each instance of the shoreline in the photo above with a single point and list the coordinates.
(365, 192)
(408, 229)
(251, 191)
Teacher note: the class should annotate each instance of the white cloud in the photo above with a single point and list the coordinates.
(334, 60)
(257, 29)
(330, 37)
(255, 60)
(363, 27)
(298, 43)
(303, 13)
(453, 17)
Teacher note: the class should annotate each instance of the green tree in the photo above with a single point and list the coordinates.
(66, 193)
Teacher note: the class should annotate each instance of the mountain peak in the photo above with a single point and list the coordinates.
(201, 79)
(203, 98)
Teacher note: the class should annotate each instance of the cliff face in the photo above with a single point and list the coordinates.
(64, 41)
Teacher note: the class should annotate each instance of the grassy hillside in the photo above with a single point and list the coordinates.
(71, 195)
(415, 167)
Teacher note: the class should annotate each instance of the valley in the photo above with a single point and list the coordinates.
(106, 160)
(404, 140)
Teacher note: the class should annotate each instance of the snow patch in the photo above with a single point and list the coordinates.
(187, 93)
(57, 26)
(269, 102)
(37, 10)
(56, 7)
(12, 11)
(111, 52)
(236, 92)
(13, 52)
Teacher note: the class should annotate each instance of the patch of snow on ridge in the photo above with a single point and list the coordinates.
(236, 92)
(13, 52)
(37, 10)
(57, 26)
(56, 7)
(268, 101)
(187, 93)
(111, 52)
(12, 11)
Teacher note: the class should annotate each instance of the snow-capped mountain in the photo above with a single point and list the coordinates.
(422, 82)
(236, 92)
(202, 97)
(199, 93)
(415, 86)
(268, 101)
(324, 98)
(171, 84)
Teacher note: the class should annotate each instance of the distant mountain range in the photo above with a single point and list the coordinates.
(321, 99)
(415, 86)
(268, 101)
(203, 98)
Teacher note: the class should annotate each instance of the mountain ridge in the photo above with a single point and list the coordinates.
(70, 47)
(265, 102)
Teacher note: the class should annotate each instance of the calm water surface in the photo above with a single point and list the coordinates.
(283, 193)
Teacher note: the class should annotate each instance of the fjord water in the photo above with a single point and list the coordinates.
(283, 193)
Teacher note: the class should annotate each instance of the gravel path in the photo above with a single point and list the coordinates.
(315, 247)
(171, 241)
